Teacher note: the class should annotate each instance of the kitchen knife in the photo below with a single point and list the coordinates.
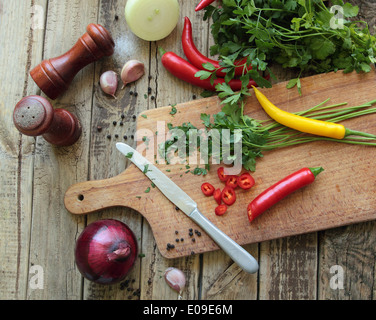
(178, 197)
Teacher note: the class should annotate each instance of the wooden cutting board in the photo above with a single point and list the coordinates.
(343, 194)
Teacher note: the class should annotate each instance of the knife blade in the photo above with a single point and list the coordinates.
(186, 204)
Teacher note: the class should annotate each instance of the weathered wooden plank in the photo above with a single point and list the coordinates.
(169, 90)
(221, 278)
(115, 118)
(347, 255)
(54, 230)
(288, 266)
(347, 263)
(21, 42)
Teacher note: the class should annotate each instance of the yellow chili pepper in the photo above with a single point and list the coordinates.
(302, 124)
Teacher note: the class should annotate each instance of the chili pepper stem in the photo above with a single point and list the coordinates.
(161, 51)
(316, 170)
(350, 132)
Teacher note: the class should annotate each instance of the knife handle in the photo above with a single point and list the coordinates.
(239, 255)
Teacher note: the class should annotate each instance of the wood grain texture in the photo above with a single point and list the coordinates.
(16, 151)
(36, 228)
(333, 202)
(57, 168)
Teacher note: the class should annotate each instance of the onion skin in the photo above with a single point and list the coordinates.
(106, 251)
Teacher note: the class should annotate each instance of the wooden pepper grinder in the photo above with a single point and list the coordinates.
(53, 76)
(34, 116)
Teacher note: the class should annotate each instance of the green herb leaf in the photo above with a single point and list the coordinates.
(146, 169)
(202, 74)
(208, 66)
(173, 110)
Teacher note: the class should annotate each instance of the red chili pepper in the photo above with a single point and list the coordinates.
(218, 196)
(207, 189)
(198, 59)
(203, 4)
(280, 190)
(232, 182)
(228, 196)
(185, 71)
(246, 181)
(221, 174)
(221, 210)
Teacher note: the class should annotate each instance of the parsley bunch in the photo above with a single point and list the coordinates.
(302, 34)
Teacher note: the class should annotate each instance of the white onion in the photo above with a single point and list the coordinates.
(152, 20)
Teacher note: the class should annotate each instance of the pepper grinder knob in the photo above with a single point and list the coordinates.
(53, 76)
(34, 116)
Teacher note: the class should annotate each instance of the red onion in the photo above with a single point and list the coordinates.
(106, 251)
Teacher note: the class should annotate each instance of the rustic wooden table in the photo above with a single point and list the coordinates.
(37, 234)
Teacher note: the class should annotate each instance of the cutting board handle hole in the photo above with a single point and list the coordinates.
(80, 197)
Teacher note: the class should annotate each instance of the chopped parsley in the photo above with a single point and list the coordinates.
(173, 110)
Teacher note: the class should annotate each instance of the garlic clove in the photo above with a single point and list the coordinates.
(175, 278)
(109, 82)
(132, 71)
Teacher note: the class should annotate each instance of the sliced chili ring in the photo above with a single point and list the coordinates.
(207, 189)
(218, 196)
(232, 182)
(228, 196)
(221, 210)
(221, 174)
(246, 181)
